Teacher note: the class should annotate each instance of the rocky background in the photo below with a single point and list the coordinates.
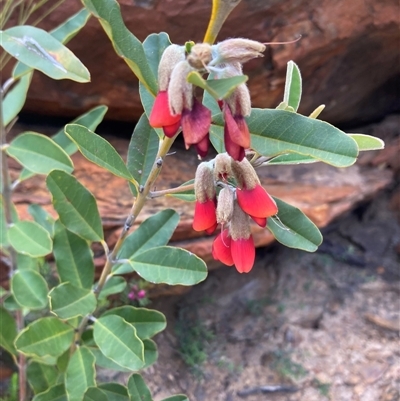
(327, 323)
(348, 55)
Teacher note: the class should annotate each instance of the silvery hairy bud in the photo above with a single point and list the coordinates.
(171, 56)
(236, 50)
(222, 167)
(200, 55)
(225, 205)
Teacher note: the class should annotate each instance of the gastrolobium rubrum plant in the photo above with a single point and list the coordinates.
(57, 330)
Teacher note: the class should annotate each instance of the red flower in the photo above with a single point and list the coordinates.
(240, 252)
(256, 202)
(236, 134)
(204, 216)
(221, 248)
(161, 117)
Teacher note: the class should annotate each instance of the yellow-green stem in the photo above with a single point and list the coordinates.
(177, 190)
(220, 11)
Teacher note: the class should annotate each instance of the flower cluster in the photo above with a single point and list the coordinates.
(176, 105)
(233, 208)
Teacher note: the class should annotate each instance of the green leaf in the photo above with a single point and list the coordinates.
(118, 341)
(8, 331)
(125, 43)
(90, 120)
(367, 142)
(42, 217)
(10, 303)
(154, 231)
(95, 394)
(69, 28)
(15, 99)
(291, 158)
(217, 88)
(41, 377)
(114, 285)
(25, 262)
(188, 195)
(55, 393)
(275, 132)
(114, 391)
(68, 301)
(179, 397)
(169, 265)
(64, 33)
(41, 51)
(29, 238)
(39, 154)
(80, 374)
(292, 93)
(97, 150)
(3, 225)
(75, 205)
(29, 289)
(294, 229)
(137, 389)
(154, 46)
(150, 353)
(142, 151)
(73, 257)
(147, 322)
(106, 363)
(47, 336)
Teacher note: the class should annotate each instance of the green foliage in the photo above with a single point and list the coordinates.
(68, 334)
(41, 51)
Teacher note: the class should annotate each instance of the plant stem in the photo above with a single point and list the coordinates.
(177, 190)
(136, 209)
(220, 11)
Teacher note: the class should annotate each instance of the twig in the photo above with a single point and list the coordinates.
(267, 389)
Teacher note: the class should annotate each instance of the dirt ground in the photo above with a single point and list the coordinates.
(299, 327)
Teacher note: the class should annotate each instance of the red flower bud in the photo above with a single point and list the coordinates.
(160, 115)
(243, 254)
(221, 248)
(256, 202)
(204, 216)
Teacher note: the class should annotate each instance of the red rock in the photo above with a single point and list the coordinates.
(348, 55)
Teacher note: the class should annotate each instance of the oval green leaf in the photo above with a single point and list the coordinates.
(29, 238)
(115, 391)
(41, 51)
(39, 154)
(68, 301)
(142, 151)
(80, 374)
(29, 289)
(75, 205)
(97, 150)
(275, 132)
(73, 257)
(106, 363)
(8, 331)
(113, 285)
(47, 336)
(154, 46)
(150, 353)
(91, 120)
(41, 377)
(137, 389)
(169, 265)
(147, 322)
(94, 394)
(154, 231)
(42, 217)
(64, 33)
(125, 43)
(217, 88)
(367, 142)
(55, 393)
(118, 341)
(15, 99)
(292, 94)
(294, 229)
